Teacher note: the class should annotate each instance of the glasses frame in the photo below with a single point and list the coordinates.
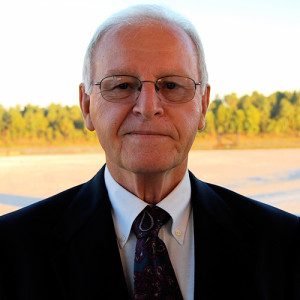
(98, 83)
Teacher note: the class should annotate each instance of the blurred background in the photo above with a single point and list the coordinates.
(252, 139)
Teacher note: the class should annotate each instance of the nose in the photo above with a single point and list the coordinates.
(148, 104)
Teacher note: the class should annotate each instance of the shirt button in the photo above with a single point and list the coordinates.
(178, 232)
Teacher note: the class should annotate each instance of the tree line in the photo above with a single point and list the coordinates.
(255, 114)
(33, 124)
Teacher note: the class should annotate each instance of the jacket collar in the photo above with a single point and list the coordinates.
(87, 260)
(224, 247)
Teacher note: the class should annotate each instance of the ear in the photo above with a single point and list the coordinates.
(204, 107)
(84, 101)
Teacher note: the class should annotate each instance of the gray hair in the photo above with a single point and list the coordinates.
(137, 14)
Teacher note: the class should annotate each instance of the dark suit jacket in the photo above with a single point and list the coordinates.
(65, 247)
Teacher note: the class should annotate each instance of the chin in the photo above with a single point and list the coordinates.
(149, 166)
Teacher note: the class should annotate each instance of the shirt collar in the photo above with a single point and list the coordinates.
(126, 207)
(178, 205)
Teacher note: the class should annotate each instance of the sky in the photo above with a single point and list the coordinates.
(249, 45)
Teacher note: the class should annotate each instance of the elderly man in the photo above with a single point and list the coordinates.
(144, 227)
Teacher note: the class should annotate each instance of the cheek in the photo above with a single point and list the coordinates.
(192, 119)
(99, 119)
(97, 116)
(107, 118)
(198, 102)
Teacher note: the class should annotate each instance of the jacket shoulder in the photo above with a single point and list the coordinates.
(221, 202)
(44, 212)
(254, 212)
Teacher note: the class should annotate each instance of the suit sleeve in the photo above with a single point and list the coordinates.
(297, 264)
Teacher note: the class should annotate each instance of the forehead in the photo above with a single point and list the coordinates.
(149, 48)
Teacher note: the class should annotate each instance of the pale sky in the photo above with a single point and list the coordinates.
(249, 45)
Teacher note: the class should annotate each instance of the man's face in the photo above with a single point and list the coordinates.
(150, 135)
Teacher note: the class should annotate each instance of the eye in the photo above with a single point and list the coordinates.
(122, 86)
(170, 85)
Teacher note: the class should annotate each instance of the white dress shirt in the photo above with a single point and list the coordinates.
(177, 234)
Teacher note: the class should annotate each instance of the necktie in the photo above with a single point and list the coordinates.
(154, 276)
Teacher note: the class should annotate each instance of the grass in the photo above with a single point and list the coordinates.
(246, 142)
(201, 143)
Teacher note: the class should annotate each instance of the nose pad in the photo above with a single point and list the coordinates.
(140, 87)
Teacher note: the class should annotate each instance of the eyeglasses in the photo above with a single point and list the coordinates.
(126, 88)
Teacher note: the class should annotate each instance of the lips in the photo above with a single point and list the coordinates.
(147, 133)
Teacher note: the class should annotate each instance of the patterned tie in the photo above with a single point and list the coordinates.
(154, 276)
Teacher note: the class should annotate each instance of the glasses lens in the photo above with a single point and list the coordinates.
(120, 88)
(176, 88)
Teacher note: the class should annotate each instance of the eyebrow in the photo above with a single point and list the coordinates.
(112, 72)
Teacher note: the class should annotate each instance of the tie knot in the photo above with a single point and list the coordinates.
(149, 221)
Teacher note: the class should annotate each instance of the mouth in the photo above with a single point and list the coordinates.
(147, 136)
(147, 133)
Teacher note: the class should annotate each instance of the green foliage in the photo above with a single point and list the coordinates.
(277, 114)
(33, 124)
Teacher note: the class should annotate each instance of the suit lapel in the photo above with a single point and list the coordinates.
(224, 254)
(87, 261)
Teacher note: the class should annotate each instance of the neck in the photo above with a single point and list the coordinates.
(149, 187)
